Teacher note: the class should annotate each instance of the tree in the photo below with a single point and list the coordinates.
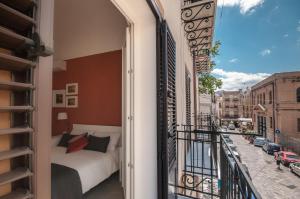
(208, 83)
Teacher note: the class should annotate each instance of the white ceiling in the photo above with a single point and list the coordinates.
(88, 27)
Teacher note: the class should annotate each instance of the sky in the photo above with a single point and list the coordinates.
(258, 37)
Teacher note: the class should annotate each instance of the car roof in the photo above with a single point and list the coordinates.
(273, 144)
(288, 153)
(260, 138)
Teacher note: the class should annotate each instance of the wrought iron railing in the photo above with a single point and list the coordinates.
(207, 167)
(235, 181)
(197, 169)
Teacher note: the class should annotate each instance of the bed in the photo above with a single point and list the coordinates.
(84, 167)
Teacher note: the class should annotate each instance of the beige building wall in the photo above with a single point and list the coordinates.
(287, 105)
(262, 96)
(280, 106)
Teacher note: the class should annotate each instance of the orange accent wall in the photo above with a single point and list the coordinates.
(99, 79)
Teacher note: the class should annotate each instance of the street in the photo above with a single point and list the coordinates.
(270, 182)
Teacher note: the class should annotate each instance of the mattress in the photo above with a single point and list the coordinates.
(93, 167)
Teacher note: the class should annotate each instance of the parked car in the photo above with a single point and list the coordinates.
(259, 141)
(271, 147)
(287, 157)
(295, 168)
(231, 127)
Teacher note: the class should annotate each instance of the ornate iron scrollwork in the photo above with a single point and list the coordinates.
(192, 181)
(198, 19)
(194, 12)
(198, 24)
(196, 42)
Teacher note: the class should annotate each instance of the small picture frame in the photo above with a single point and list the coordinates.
(71, 101)
(72, 89)
(59, 97)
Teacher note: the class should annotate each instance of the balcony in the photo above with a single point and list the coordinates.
(208, 168)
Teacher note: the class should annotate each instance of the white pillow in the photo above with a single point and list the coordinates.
(113, 141)
(55, 140)
(80, 131)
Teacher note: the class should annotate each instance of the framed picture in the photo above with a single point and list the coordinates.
(59, 98)
(72, 101)
(72, 89)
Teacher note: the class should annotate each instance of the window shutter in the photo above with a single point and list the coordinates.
(167, 121)
(19, 47)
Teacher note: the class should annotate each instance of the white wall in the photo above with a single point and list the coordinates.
(144, 69)
(87, 27)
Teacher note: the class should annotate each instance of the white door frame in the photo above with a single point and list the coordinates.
(127, 109)
(129, 151)
(127, 119)
(142, 23)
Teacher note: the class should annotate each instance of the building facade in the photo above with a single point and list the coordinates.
(228, 103)
(245, 103)
(205, 104)
(276, 108)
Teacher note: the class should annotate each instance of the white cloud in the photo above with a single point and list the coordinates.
(285, 35)
(246, 6)
(233, 80)
(234, 60)
(265, 52)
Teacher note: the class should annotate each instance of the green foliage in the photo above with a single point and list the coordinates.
(208, 83)
(214, 51)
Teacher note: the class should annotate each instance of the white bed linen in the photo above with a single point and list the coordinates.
(93, 167)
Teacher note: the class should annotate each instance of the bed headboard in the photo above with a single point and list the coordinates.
(98, 128)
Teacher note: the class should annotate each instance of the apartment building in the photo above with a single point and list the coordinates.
(276, 108)
(228, 103)
(245, 103)
(206, 103)
(112, 68)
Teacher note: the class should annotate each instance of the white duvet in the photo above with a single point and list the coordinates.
(93, 167)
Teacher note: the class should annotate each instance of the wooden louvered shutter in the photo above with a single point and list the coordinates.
(167, 122)
(19, 48)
